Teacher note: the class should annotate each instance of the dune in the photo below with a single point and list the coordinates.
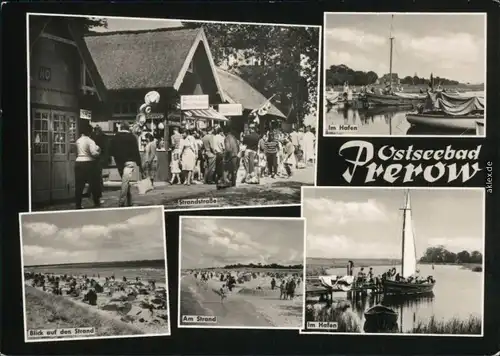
(198, 298)
(48, 311)
(141, 311)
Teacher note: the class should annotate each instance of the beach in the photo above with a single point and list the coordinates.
(249, 304)
(120, 307)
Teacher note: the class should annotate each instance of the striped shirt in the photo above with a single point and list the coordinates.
(271, 147)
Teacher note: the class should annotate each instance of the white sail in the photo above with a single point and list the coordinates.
(409, 262)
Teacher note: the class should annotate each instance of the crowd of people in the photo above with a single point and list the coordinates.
(214, 155)
(208, 156)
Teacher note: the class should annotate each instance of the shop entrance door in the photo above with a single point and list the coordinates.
(53, 155)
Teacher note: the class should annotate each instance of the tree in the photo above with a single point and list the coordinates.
(439, 254)
(463, 257)
(287, 60)
(83, 24)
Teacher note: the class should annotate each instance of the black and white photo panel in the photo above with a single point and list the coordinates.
(241, 272)
(181, 113)
(389, 261)
(388, 74)
(94, 274)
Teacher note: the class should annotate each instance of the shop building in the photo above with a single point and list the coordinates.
(63, 86)
(177, 63)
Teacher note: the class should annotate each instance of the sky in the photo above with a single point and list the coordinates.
(367, 223)
(450, 46)
(216, 242)
(93, 236)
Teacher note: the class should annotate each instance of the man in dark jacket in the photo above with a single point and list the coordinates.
(208, 145)
(124, 147)
(252, 142)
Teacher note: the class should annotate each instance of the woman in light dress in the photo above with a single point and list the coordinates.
(308, 142)
(189, 153)
(175, 163)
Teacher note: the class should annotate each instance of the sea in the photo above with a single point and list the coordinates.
(146, 270)
(458, 293)
(386, 121)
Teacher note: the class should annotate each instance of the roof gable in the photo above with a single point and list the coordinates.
(141, 59)
(200, 39)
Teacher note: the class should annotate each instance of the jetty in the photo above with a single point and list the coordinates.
(358, 291)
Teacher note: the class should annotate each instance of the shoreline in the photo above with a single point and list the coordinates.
(245, 305)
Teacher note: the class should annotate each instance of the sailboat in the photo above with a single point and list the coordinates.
(408, 261)
(394, 98)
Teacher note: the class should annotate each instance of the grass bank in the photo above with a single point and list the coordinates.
(455, 326)
(48, 311)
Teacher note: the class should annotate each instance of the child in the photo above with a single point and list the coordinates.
(175, 168)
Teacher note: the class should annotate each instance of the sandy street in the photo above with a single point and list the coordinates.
(269, 192)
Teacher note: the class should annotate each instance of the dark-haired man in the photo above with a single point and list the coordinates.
(124, 148)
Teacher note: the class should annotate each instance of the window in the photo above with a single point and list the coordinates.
(40, 133)
(59, 133)
(126, 108)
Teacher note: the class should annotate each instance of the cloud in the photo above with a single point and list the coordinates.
(457, 244)
(340, 246)
(454, 48)
(210, 243)
(340, 212)
(135, 238)
(355, 37)
(41, 228)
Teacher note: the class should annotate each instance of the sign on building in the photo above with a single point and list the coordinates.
(44, 74)
(194, 102)
(231, 109)
(85, 114)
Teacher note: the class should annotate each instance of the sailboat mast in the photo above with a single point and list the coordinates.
(403, 236)
(391, 39)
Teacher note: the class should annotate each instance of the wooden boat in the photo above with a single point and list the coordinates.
(408, 261)
(380, 314)
(480, 127)
(447, 122)
(396, 99)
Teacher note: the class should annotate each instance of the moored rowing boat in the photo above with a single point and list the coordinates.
(440, 121)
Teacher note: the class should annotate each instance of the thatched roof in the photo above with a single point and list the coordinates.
(239, 91)
(141, 59)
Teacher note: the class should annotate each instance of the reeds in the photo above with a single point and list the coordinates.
(340, 313)
(455, 326)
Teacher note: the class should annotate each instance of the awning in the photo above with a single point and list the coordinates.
(208, 114)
